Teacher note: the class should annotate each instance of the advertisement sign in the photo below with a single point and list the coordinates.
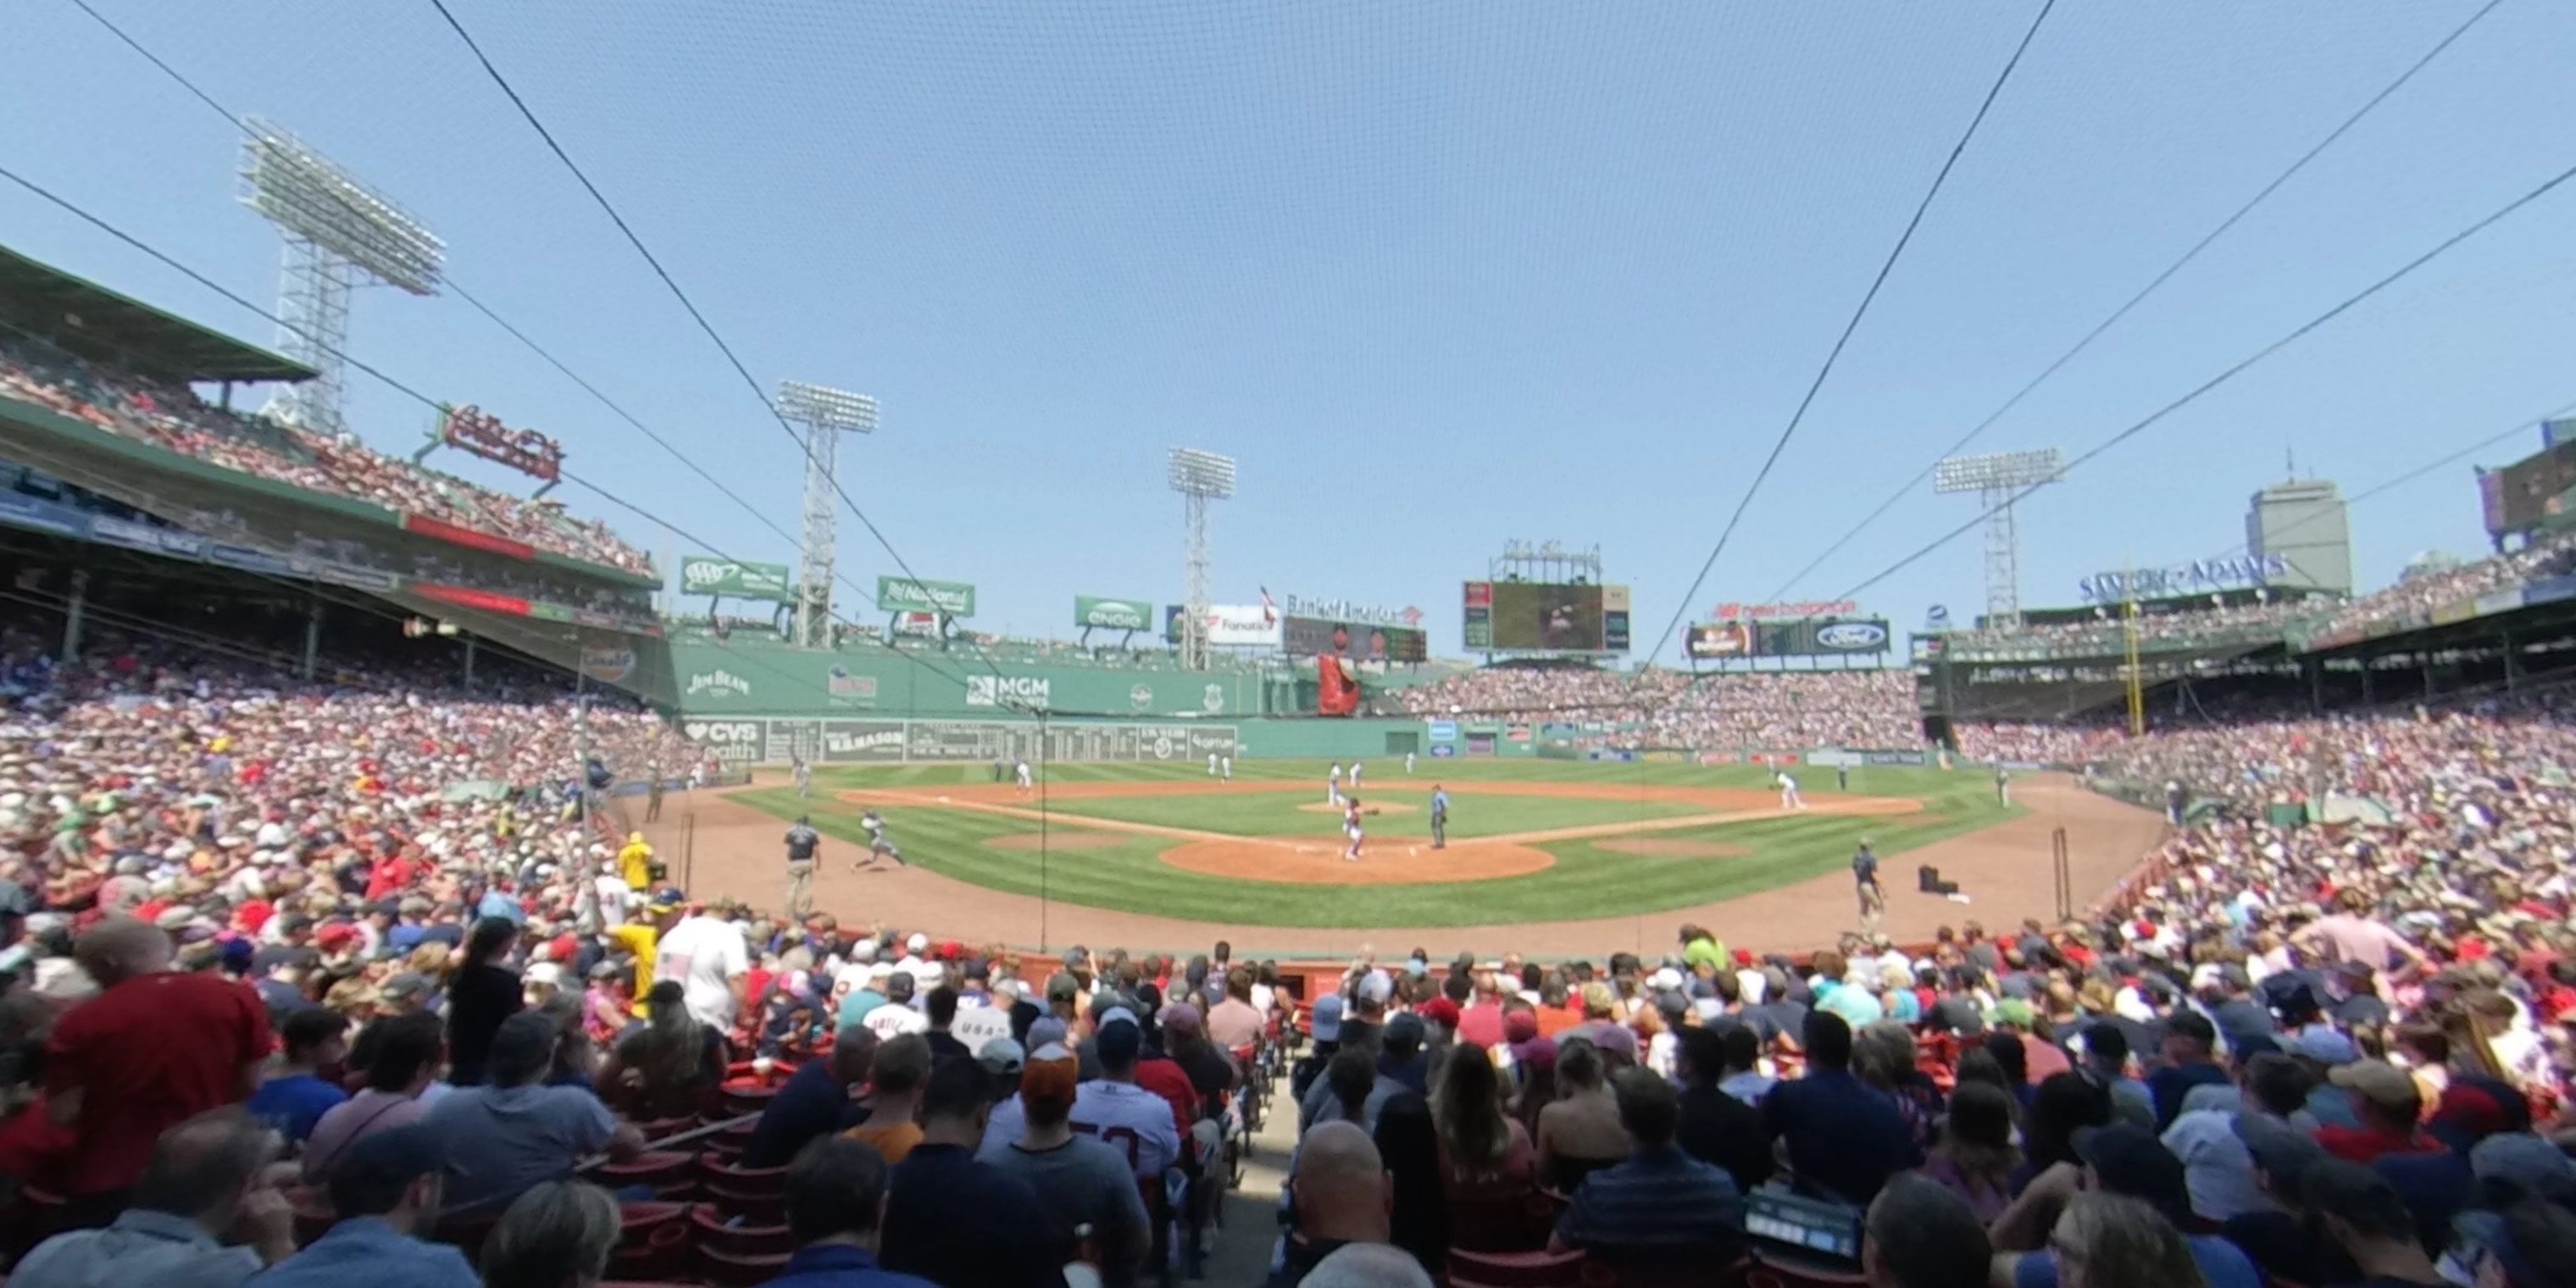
(1731, 611)
(110, 530)
(1718, 640)
(1443, 731)
(1006, 691)
(470, 429)
(718, 681)
(946, 598)
(1443, 750)
(708, 575)
(1230, 625)
(468, 537)
(735, 742)
(1346, 611)
(1354, 641)
(849, 690)
(2199, 577)
(861, 741)
(608, 665)
(1814, 638)
(1528, 616)
(1090, 611)
(43, 516)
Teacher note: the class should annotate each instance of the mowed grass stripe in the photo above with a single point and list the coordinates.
(1586, 881)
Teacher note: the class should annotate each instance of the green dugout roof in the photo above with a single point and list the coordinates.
(94, 322)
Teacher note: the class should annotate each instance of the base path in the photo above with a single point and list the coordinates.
(2004, 870)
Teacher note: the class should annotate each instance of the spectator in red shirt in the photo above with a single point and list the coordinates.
(2388, 1105)
(152, 1049)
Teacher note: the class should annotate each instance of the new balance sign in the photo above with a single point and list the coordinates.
(1006, 691)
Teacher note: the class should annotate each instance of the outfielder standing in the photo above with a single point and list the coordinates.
(1211, 764)
(1333, 785)
(803, 843)
(1408, 764)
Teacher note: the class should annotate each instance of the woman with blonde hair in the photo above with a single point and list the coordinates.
(665, 1068)
(2108, 1240)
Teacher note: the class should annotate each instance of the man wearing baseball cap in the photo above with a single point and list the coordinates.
(1113, 1103)
(1080, 1180)
(2388, 1104)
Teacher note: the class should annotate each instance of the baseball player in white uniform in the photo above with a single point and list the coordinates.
(1355, 778)
(1211, 764)
(1225, 768)
(1789, 798)
(1333, 785)
(1021, 768)
(1408, 764)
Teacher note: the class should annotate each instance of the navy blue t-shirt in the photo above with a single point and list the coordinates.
(1843, 1134)
(292, 1104)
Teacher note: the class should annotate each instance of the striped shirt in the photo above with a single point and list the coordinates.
(1660, 1201)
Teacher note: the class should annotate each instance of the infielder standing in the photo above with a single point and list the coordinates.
(1789, 798)
(1022, 769)
(1439, 817)
(2003, 787)
(804, 777)
(1355, 778)
(1333, 785)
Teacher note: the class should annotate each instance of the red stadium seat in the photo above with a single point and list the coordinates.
(652, 1252)
(707, 1229)
(1514, 1223)
(672, 1174)
(1523, 1270)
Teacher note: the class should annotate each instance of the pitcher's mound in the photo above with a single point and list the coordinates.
(1320, 862)
(1671, 847)
(1391, 807)
(1058, 841)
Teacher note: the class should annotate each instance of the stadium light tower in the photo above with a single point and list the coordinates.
(1999, 479)
(1200, 477)
(340, 235)
(826, 414)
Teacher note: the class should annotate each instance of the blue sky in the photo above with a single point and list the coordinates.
(1439, 274)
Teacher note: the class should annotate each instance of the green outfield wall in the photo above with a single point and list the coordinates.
(765, 679)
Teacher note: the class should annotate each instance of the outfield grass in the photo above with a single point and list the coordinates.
(1585, 882)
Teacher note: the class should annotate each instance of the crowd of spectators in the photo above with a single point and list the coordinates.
(2107, 633)
(1668, 708)
(173, 417)
(2547, 555)
(253, 939)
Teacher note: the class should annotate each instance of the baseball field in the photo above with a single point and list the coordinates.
(1138, 853)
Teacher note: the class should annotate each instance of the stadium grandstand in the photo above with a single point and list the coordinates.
(352, 927)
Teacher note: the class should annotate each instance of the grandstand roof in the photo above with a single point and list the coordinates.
(92, 321)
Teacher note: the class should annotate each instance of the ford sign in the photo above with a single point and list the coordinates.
(1853, 637)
